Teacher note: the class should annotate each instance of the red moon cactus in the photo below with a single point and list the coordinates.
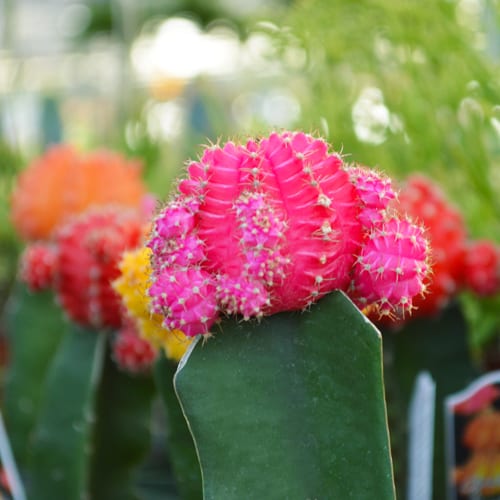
(89, 249)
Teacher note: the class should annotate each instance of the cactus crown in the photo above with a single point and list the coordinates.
(274, 225)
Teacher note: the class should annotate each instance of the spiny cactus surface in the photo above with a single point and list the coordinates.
(274, 225)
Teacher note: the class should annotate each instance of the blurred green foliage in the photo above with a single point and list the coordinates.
(441, 91)
(428, 72)
(10, 164)
(101, 13)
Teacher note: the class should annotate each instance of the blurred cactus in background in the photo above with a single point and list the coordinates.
(72, 183)
(91, 212)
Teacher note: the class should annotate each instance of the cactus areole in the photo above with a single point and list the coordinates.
(273, 226)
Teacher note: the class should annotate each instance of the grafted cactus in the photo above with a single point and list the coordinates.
(263, 230)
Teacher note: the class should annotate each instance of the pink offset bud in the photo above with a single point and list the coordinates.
(176, 219)
(262, 238)
(239, 296)
(391, 267)
(171, 239)
(375, 193)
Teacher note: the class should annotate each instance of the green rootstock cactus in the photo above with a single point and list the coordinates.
(60, 446)
(291, 407)
(60, 405)
(34, 325)
(94, 426)
(179, 440)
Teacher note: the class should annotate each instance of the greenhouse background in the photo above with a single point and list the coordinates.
(410, 88)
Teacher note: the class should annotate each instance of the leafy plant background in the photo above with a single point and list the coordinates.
(431, 71)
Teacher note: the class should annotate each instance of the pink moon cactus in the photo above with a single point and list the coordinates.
(273, 226)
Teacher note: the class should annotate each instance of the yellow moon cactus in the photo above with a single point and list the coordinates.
(132, 286)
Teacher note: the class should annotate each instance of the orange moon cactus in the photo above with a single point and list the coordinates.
(63, 182)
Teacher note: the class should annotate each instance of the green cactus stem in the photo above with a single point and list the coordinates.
(34, 326)
(182, 453)
(122, 432)
(291, 407)
(59, 465)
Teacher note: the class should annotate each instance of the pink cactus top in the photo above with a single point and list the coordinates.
(274, 225)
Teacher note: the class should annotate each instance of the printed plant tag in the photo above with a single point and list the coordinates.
(473, 440)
